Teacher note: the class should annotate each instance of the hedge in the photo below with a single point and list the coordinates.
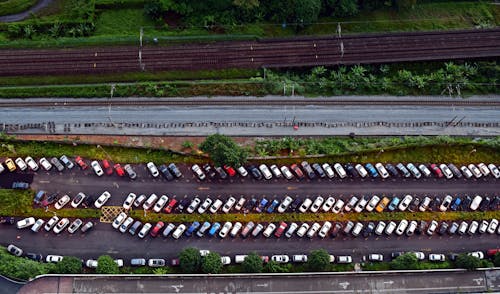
(15, 6)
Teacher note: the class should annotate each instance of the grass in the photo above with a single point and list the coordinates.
(122, 22)
(15, 6)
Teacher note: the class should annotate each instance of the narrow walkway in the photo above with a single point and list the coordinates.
(8, 286)
(23, 15)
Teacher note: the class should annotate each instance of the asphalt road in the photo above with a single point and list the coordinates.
(199, 120)
(419, 282)
(25, 14)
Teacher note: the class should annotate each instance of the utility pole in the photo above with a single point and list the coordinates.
(113, 87)
(141, 33)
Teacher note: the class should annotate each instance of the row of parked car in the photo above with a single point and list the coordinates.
(325, 170)
(54, 224)
(43, 199)
(318, 204)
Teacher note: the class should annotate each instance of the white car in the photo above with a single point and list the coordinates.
(484, 169)
(160, 203)
(127, 204)
(280, 258)
(145, 230)
(419, 255)
(225, 229)
(338, 206)
(425, 204)
(126, 224)
(325, 229)
(329, 202)
(150, 202)
(462, 229)
(477, 173)
(242, 171)
(317, 204)
(119, 220)
(284, 204)
(466, 172)
(62, 202)
(477, 254)
(240, 204)
(78, 199)
(38, 225)
(178, 232)
(446, 171)
(291, 229)
(139, 200)
(411, 228)
(313, 230)
(492, 226)
(229, 204)
(204, 206)
(381, 170)
(265, 171)
(45, 163)
(193, 205)
(269, 230)
(102, 199)
(401, 227)
(21, 164)
(391, 226)
(91, 263)
(61, 225)
(483, 227)
(275, 170)
(494, 170)
(198, 172)
(225, 260)
(328, 170)
(357, 229)
(53, 258)
(31, 163)
(51, 223)
(446, 203)
(153, 169)
(215, 206)
(436, 257)
(361, 204)
(473, 228)
(75, 225)
(372, 203)
(97, 168)
(379, 230)
(425, 170)
(361, 170)
(374, 257)
(299, 258)
(305, 205)
(340, 170)
(403, 205)
(432, 228)
(344, 259)
(236, 229)
(475, 202)
(286, 172)
(303, 229)
(24, 223)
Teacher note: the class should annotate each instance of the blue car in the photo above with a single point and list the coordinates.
(373, 172)
(394, 203)
(39, 197)
(273, 205)
(203, 229)
(191, 229)
(454, 206)
(262, 205)
(215, 227)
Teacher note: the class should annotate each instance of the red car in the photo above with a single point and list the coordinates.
(436, 170)
(119, 170)
(157, 229)
(175, 262)
(81, 163)
(280, 230)
(298, 172)
(230, 170)
(170, 206)
(107, 167)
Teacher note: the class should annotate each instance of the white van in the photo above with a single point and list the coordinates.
(239, 258)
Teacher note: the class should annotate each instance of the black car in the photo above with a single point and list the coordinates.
(368, 229)
(177, 173)
(209, 171)
(392, 170)
(494, 203)
(436, 203)
(221, 172)
(255, 172)
(414, 204)
(249, 205)
(183, 204)
(453, 256)
(351, 170)
(466, 202)
(318, 170)
(34, 256)
(165, 172)
(421, 227)
(336, 229)
(443, 228)
(396, 254)
(295, 204)
(8, 220)
(456, 172)
(88, 201)
(485, 203)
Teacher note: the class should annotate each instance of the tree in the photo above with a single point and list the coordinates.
(274, 267)
(190, 260)
(406, 261)
(252, 263)
(106, 265)
(496, 259)
(467, 261)
(305, 11)
(69, 265)
(405, 4)
(223, 150)
(318, 260)
(211, 263)
(344, 8)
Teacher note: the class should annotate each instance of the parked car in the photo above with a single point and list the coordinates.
(61, 225)
(57, 164)
(153, 170)
(151, 201)
(38, 225)
(145, 230)
(494, 170)
(20, 185)
(265, 172)
(446, 203)
(425, 171)
(198, 172)
(361, 170)
(242, 171)
(403, 170)
(204, 206)
(119, 170)
(373, 172)
(298, 172)
(340, 170)
(175, 170)
(286, 173)
(276, 171)
(75, 225)
(328, 170)
(21, 164)
(446, 171)
(319, 171)
(45, 164)
(102, 199)
(88, 225)
(97, 168)
(130, 171)
(127, 204)
(392, 170)
(403, 205)
(78, 199)
(31, 163)
(414, 170)
(51, 223)
(66, 161)
(308, 169)
(475, 171)
(382, 170)
(119, 220)
(255, 172)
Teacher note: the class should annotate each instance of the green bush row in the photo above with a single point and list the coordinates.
(119, 4)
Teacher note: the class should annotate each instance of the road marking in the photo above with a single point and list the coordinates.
(344, 285)
(44, 182)
(478, 280)
(203, 188)
(389, 282)
(291, 188)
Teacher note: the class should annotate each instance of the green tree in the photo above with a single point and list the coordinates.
(496, 259)
(405, 4)
(223, 150)
(467, 261)
(106, 265)
(318, 260)
(22, 268)
(305, 12)
(342, 8)
(69, 265)
(211, 263)
(406, 261)
(187, 144)
(190, 260)
(252, 263)
(274, 267)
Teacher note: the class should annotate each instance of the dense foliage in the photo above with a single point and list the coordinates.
(318, 260)
(211, 263)
(69, 265)
(106, 265)
(22, 268)
(190, 260)
(406, 261)
(253, 263)
(223, 150)
(467, 261)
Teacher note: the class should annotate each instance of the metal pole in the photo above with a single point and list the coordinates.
(339, 30)
(141, 33)
(341, 49)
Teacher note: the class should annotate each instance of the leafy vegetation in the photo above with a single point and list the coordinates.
(318, 260)
(211, 263)
(15, 6)
(190, 260)
(467, 261)
(223, 150)
(252, 263)
(106, 265)
(22, 268)
(69, 265)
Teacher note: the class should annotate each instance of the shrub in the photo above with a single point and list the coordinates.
(190, 260)
(106, 265)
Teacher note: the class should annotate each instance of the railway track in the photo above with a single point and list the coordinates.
(243, 102)
(273, 53)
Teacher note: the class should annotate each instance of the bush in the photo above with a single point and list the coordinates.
(69, 265)
(467, 261)
(211, 263)
(496, 259)
(190, 260)
(274, 267)
(22, 268)
(223, 150)
(253, 263)
(106, 265)
(318, 260)
(405, 261)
